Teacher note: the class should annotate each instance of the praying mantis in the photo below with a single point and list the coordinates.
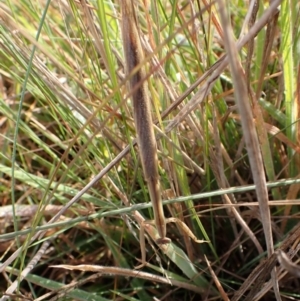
(143, 123)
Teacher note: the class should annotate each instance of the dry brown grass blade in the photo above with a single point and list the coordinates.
(32, 263)
(250, 48)
(281, 271)
(287, 264)
(270, 35)
(257, 278)
(250, 135)
(217, 282)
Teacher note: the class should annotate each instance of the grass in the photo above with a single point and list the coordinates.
(73, 195)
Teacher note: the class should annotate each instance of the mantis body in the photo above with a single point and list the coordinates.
(134, 58)
(142, 113)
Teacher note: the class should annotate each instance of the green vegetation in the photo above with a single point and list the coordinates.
(72, 192)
